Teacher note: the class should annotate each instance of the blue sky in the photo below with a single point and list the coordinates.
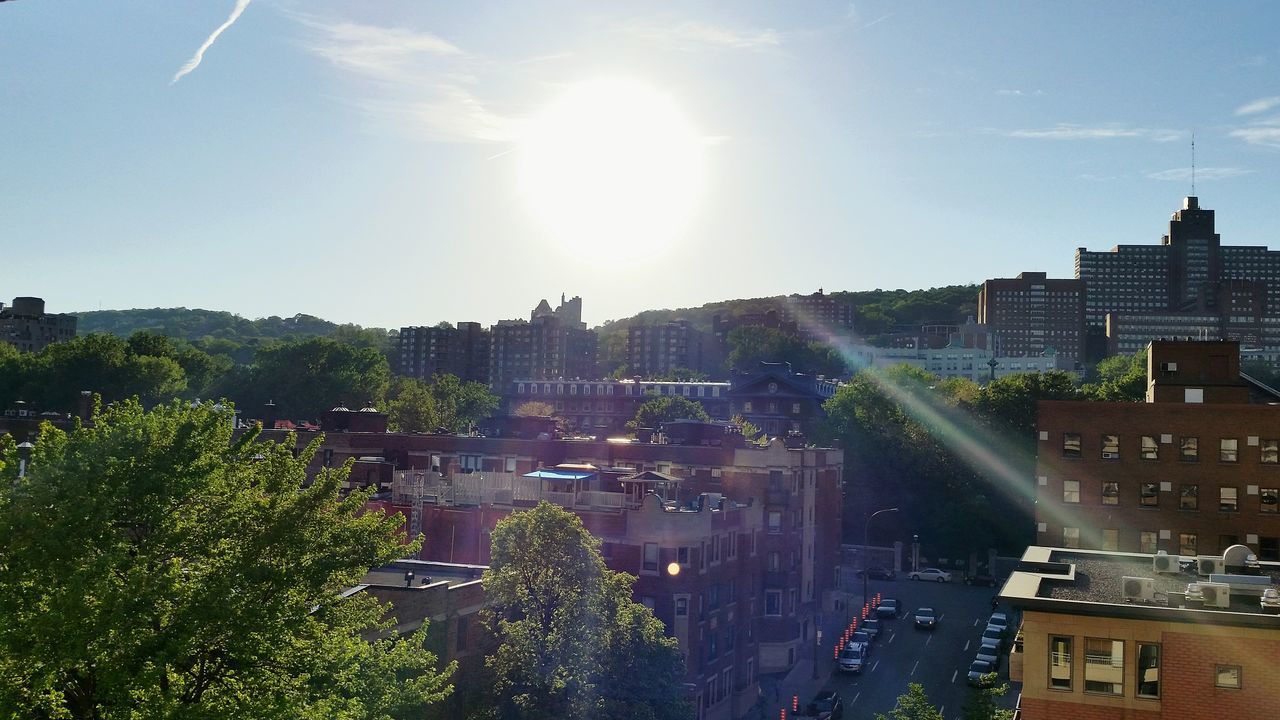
(357, 161)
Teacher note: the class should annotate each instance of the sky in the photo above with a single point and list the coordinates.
(402, 163)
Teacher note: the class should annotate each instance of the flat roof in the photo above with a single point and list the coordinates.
(393, 575)
(1091, 582)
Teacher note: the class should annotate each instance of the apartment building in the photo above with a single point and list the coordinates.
(1031, 315)
(656, 350)
(26, 326)
(461, 350)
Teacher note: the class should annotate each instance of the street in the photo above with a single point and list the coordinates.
(938, 659)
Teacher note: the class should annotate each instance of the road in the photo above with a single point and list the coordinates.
(939, 660)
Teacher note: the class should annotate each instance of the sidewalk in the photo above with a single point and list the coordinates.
(777, 690)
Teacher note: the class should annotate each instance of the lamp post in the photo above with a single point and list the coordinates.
(24, 457)
(866, 542)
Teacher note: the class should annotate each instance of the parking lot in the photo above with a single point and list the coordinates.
(937, 659)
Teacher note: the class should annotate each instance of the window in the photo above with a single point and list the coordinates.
(775, 561)
(1271, 451)
(1110, 447)
(1189, 498)
(1190, 448)
(1110, 493)
(1148, 678)
(1269, 548)
(775, 521)
(682, 606)
(1104, 666)
(1149, 495)
(651, 557)
(1059, 663)
(715, 549)
(1110, 539)
(511, 464)
(1226, 541)
(795, 408)
(1150, 450)
(1227, 676)
(1071, 445)
(746, 407)
(713, 596)
(1147, 542)
(773, 602)
(1070, 491)
(1186, 543)
(1228, 450)
(1070, 537)
(682, 556)
(1228, 500)
(460, 642)
(1269, 499)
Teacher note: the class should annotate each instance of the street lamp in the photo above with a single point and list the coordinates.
(866, 542)
(24, 457)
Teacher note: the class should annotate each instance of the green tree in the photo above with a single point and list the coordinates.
(460, 405)
(668, 408)
(534, 408)
(411, 407)
(573, 644)
(305, 378)
(682, 374)
(153, 565)
(1119, 378)
(749, 429)
(981, 703)
(912, 705)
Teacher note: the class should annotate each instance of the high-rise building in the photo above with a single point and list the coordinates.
(462, 351)
(1031, 314)
(26, 326)
(656, 350)
(551, 344)
(819, 315)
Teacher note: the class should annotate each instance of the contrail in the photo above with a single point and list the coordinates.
(194, 62)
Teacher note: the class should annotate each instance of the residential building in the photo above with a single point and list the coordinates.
(780, 401)
(721, 326)
(462, 351)
(1193, 470)
(604, 407)
(1032, 314)
(656, 350)
(26, 326)
(1134, 636)
(551, 344)
(820, 316)
(976, 364)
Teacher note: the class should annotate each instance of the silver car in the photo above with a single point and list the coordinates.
(931, 574)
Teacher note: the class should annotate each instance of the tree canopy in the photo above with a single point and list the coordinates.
(912, 705)
(573, 644)
(153, 565)
(667, 408)
(749, 346)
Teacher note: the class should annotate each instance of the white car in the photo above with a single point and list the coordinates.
(931, 574)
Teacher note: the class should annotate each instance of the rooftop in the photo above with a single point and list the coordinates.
(1115, 584)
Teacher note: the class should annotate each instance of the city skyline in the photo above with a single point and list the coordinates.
(373, 165)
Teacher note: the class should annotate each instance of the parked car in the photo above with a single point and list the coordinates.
(999, 620)
(861, 637)
(887, 609)
(979, 670)
(987, 653)
(926, 619)
(877, 573)
(872, 628)
(852, 658)
(989, 647)
(994, 633)
(931, 574)
(984, 580)
(827, 706)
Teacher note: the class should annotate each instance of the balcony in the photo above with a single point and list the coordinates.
(493, 488)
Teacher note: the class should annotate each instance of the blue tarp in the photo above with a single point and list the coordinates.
(559, 475)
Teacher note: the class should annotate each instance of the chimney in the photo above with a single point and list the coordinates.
(84, 406)
(269, 415)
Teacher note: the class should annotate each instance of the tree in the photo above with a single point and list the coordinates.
(573, 644)
(682, 374)
(411, 407)
(459, 404)
(749, 429)
(534, 408)
(981, 703)
(667, 408)
(912, 705)
(308, 377)
(1120, 378)
(153, 565)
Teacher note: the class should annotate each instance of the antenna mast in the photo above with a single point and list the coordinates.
(1193, 164)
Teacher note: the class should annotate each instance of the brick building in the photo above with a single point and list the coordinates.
(1105, 636)
(1031, 314)
(1193, 470)
(551, 344)
(656, 350)
(26, 326)
(820, 315)
(462, 351)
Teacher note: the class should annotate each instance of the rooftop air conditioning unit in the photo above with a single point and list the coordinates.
(1162, 562)
(1216, 595)
(1169, 367)
(1207, 565)
(1139, 588)
(1110, 456)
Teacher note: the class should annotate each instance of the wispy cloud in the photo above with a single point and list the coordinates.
(194, 62)
(1021, 93)
(1067, 131)
(418, 79)
(1266, 135)
(691, 35)
(1260, 105)
(1184, 174)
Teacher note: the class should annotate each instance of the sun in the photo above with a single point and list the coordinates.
(612, 168)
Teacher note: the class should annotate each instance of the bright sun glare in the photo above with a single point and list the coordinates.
(612, 168)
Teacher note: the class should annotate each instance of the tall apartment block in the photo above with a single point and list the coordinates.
(819, 315)
(462, 351)
(655, 350)
(26, 326)
(551, 344)
(1031, 313)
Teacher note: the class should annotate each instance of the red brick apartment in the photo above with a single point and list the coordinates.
(1111, 636)
(1192, 471)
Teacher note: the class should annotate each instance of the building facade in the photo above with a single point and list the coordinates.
(1032, 314)
(1193, 470)
(1105, 636)
(26, 326)
(820, 316)
(461, 350)
(656, 350)
(971, 363)
(551, 344)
